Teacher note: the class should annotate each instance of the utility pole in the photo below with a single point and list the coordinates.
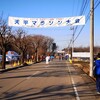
(91, 36)
(73, 44)
(72, 28)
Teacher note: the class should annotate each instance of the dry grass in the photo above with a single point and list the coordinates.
(83, 65)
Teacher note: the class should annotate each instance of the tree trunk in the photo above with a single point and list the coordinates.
(4, 59)
(36, 55)
(22, 58)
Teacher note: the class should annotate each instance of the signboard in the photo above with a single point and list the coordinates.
(81, 54)
(46, 22)
(60, 51)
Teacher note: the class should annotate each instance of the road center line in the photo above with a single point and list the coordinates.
(73, 83)
(46, 66)
(32, 74)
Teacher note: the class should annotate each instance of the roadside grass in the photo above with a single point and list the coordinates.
(83, 65)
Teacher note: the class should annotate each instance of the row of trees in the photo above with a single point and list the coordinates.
(84, 49)
(22, 43)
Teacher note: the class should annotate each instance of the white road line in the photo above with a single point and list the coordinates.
(73, 83)
(32, 74)
(46, 66)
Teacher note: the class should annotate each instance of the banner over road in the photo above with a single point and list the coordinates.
(46, 22)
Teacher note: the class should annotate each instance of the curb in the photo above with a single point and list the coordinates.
(9, 69)
(5, 70)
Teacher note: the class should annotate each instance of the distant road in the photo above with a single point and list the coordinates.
(56, 81)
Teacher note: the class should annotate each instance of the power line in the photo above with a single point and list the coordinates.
(88, 18)
(82, 27)
(97, 4)
(73, 7)
(83, 9)
(84, 6)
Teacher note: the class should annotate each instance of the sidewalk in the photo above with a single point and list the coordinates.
(13, 66)
(9, 67)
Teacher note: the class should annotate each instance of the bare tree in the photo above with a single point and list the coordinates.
(22, 42)
(41, 44)
(48, 41)
(36, 43)
(5, 40)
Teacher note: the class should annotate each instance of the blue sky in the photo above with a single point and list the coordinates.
(54, 9)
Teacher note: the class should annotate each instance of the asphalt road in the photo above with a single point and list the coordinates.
(55, 81)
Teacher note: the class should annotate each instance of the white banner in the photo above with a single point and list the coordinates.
(46, 22)
(81, 54)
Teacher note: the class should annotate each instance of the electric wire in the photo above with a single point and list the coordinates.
(97, 4)
(83, 9)
(87, 18)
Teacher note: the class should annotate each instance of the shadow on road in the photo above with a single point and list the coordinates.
(46, 93)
